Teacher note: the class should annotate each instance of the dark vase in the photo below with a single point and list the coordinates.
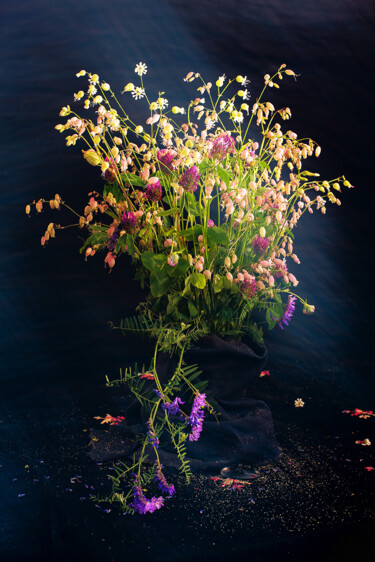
(243, 432)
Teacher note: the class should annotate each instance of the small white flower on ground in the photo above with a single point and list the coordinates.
(299, 403)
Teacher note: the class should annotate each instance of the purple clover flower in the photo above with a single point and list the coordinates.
(162, 482)
(154, 191)
(221, 146)
(197, 416)
(189, 179)
(128, 222)
(259, 244)
(141, 503)
(173, 408)
(289, 311)
(249, 287)
(166, 160)
(210, 222)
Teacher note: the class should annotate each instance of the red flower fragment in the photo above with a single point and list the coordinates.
(264, 374)
(369, 468)
(360, 413)
(110, 419)
(147, 375)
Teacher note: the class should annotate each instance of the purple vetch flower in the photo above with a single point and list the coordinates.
(189, 179)
(152, 438)
(165, 158)
(154, 190)
(289, 311)
(210, 222)
(197, 416)
(221, 146)
(173, 408)
(259, 244)
(162, 482)
(141, 503)
(111, 244)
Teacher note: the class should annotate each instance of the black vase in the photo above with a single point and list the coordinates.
(243, 432)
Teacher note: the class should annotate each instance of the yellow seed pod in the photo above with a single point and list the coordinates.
(138, 130)
(52, 204)
(129, 87)
(104, 166)
(87, 104)
(336, 186)
(95, 78)
(290, 72)
(96, 140)
(262, 232)
(184, 152)
(91, 157)
(189, 143)
(106, 87)
(28, 209)
(240, 78)
(244, 107)
(325, 184)
(114, 151)
(168, 128)
(117, 140)
(81, 73)
(318, 150)
(79, 95)
(189, 161)
(279, 216)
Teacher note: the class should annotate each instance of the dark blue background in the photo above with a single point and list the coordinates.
(56, 346)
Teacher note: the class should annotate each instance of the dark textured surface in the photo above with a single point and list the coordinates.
(315, 502)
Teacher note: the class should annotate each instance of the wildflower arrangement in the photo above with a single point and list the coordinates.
(206, 208)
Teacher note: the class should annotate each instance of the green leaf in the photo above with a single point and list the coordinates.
(133, 179)
(218, 285)
(121, 243)
(159, 282)
(217, 235)
(198, 280)
(192, 309)
(172, 211)
(130, 244)
(96, 238)
(147, 260)
(152, 261)
(178, 270)
(223, 174)
(115, 189)
(191, 233)
(190, 203)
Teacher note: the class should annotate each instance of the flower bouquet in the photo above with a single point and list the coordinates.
(206, 209)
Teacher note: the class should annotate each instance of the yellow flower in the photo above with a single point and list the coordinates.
(81, 73)
(65, 111)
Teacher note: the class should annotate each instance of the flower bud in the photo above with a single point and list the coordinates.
(229, 276)
(27, 209)
(129, 87)
(92, 157)
(262, 232)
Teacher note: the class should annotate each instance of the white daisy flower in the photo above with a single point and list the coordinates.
(162, 103)
(299, 403)
(138, 93)
(140, 69)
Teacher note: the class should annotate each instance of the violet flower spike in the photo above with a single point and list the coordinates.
(141, 503)
(197, 416)
(129, 222)
(162, 482)
(173, 408)
(289, 311)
